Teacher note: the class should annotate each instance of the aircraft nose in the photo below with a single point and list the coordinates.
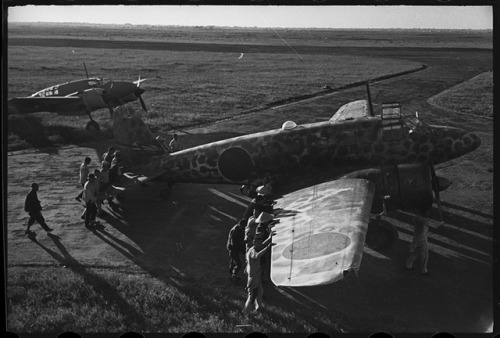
(471, 141)
(453, 142)
(138, 91)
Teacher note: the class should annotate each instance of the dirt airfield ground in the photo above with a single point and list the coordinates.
(184, 237)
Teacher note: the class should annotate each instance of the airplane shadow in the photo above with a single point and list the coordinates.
(459, 207)
(466, 236)
(112, 297)
(182, 242)
(29, 129)
(47, 137)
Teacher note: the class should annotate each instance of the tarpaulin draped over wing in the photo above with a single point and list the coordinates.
(351, 110)
(321, 232)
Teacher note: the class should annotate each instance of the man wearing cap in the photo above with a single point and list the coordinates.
(33, 207)
(263, 201)
(254, 270)
(236, 248)
(108, 156)
(90, 198)
(265, 190)
(418, 247)
(84, 172)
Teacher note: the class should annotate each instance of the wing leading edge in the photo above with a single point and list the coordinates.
(321, 232)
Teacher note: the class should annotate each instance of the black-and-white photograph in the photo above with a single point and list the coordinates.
(248, 168)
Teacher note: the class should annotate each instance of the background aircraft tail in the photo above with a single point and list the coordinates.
(130, 130)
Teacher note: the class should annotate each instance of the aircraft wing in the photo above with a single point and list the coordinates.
(321, 232)
(24, 105)
(352, 110)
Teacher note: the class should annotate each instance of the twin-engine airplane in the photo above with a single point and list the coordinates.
(330, 176)
(80, 97)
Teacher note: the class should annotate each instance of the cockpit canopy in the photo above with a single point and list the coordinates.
(396, 125)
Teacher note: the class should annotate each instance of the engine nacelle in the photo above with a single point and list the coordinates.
(406, 186)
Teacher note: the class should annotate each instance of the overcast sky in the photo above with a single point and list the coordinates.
(439, 17)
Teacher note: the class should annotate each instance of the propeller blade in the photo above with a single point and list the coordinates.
(138, 82)
(143, 104)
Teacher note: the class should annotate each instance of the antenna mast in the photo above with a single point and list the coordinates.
(86, 70)
(370, 106)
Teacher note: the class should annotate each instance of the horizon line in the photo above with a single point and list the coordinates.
(248, 27)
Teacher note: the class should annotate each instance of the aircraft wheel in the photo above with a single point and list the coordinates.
(93, 126)
(166, 193)
(381, 235)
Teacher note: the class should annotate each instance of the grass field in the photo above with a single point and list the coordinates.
(473, 97)
(183, 88)
(262, 36)
(91, 300)
(192, 88)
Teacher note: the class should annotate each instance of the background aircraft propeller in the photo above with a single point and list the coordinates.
(139, 91)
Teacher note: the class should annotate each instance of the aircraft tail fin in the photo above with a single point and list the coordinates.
(130, 130)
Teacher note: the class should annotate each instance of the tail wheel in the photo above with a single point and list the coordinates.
(93, 126)
(381, 235)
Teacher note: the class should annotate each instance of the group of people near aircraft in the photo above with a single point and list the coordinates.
(249, 244)
(96, 184)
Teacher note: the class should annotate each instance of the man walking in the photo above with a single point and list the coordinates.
(33, 207)
(419, 247)
(84, 172)
(236, 248)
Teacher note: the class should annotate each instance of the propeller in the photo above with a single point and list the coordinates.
(143, 104)
(138, 82)
(139, 91)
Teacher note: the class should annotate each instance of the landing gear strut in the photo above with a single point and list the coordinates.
(92, 126)
(165, 193)
(381, 235)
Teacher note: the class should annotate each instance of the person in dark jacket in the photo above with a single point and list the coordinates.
(236, 248)
(33, 207)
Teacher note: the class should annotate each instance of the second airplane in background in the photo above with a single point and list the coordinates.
(80, 97)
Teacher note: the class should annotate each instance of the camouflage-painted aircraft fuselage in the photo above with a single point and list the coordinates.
(308, 154)
(329, 149)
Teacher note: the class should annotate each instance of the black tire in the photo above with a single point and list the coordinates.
(381, 235)
(92, 126)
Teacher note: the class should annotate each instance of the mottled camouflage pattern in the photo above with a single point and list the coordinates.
(326, 149)
(314, 148)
